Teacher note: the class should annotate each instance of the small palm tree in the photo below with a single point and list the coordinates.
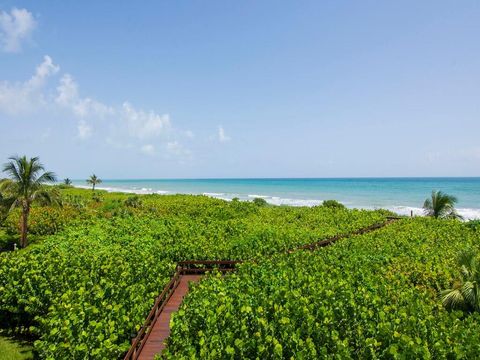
(94, 180)
(441, 205)
(27, 177)
(67, 182)
(465, 293)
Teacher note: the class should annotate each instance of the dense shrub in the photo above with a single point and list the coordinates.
(84, 291)
(133, 201)
(333, 204)
(259, 202)
(473, 224)
(82, 295)
(45, 220)
(371, 296)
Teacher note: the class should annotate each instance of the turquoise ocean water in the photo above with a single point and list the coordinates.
(401, 195)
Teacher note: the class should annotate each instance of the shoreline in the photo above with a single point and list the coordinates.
(404, 210)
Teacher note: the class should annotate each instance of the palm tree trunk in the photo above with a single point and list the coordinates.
(24, 225)
(93, 188)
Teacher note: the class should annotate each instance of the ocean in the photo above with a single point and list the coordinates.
(401, 195)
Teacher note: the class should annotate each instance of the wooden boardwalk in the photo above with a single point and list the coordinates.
(155, 340)
(151, 338)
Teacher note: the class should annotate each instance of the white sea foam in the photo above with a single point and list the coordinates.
(405, 210)
(293, 202)
(141, 191)
(469, 214)
(259, 196)
(466, 213)
(213, 194)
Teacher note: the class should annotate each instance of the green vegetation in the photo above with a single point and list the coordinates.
(465, 293)
(260, 202)
(67, 182)
(97, 261)
(473, 224)
(370, 296)
(334, 204)
(11, 349)
(25, 186)
(134, 201)
(441, 205)
(84, 288)
(94, 180)
(6, 240)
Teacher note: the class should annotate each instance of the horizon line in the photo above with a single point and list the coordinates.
(291, 178)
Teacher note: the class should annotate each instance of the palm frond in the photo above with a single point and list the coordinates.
(454, 215)
(12, 170)
(46, 197)
(93, 180)
(47, 177)
(467, 258)
(468, 293)
(452, 298)
(26, 177)
(440, 205)
(14, 204)
(465, 294)
(428, 207)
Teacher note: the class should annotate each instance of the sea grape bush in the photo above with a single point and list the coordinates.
(44, 220)
(370, 296)
(260, 201)
(85, 290)
(82, 296)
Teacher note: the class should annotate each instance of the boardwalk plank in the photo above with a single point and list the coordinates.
(155, 342)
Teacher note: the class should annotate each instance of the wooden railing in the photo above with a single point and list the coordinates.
(202, 266)
(183, 268)
(199, 267)
(139, 341)
(331, 240)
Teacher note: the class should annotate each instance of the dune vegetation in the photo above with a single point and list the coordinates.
(370, 296)
(96, 261)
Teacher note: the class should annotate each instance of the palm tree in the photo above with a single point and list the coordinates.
(441, 205)
(67, 182)
(94, 180)
(27, 177)
(465, 294)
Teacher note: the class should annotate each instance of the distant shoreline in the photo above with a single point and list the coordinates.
(299, 178)
(288, 191)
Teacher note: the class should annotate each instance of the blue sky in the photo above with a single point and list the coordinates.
(197, 89)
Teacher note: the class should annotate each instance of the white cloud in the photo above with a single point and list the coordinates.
(222, 136)
(67, 91)
(15, 27)
(177, 149)
(68, 97)
(123, 126)
(84, 130)
(28, 96)
(148, 149)
(46, 69)
(143, 124)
